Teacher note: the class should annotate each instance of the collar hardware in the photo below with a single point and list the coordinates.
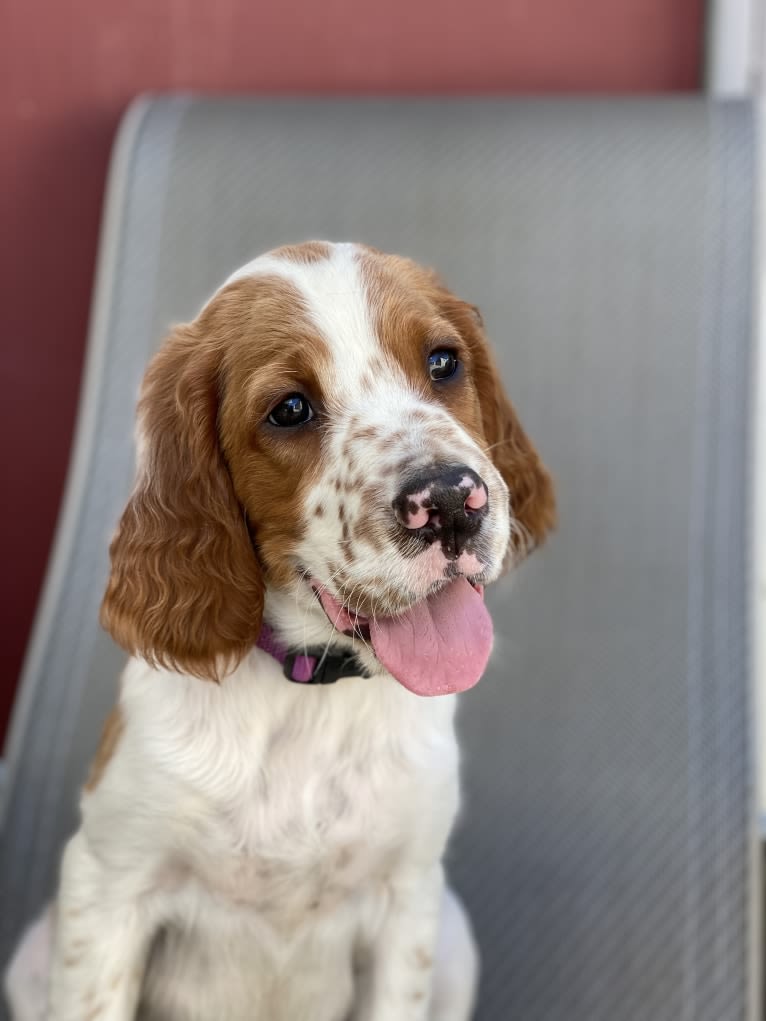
(315, 666)
(311, 665)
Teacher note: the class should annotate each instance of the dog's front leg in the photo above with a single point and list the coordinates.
(398, 986)
(101, 940)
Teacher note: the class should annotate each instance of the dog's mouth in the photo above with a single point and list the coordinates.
(438, 646)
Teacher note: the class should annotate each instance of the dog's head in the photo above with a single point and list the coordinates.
(330, 439)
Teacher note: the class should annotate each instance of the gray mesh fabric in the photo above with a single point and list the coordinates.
(606, 843)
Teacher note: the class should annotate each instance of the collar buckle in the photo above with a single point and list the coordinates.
(317, 666)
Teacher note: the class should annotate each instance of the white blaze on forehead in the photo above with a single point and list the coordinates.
(336, 300)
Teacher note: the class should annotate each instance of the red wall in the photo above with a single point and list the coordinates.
(67, 71)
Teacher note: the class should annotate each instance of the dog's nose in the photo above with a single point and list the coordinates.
(446, 504)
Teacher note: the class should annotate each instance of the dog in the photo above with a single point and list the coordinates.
(328, 474)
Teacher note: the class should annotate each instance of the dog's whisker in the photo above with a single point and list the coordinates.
(357, 632)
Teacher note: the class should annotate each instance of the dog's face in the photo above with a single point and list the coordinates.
(330, 430)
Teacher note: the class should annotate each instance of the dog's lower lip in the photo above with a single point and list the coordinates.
(361, 627)
(362, 622)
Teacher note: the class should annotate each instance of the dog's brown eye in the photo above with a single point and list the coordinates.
(442, 365)
(293, 410)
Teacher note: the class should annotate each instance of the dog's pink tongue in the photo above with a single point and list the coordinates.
(439, 646)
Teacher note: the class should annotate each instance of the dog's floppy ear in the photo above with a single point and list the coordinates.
(185, 590)
(532, 497)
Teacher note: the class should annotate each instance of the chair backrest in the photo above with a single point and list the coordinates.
(607, 846)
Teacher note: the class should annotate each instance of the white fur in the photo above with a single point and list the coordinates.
(266, 851)
(276, 831)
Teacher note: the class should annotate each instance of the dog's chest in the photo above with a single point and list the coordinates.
(322, 803)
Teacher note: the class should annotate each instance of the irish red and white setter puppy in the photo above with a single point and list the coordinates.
(329, 473)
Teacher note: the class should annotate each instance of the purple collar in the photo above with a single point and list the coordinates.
(311, 665)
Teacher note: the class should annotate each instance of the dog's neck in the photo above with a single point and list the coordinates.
(311, 665)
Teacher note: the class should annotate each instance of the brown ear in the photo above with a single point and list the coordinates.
(185, 590)
(532, 497)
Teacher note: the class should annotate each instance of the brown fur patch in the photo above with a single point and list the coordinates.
(307, 252)
(368, 533)
(110, 738)
(366, 528)
(278, 351)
